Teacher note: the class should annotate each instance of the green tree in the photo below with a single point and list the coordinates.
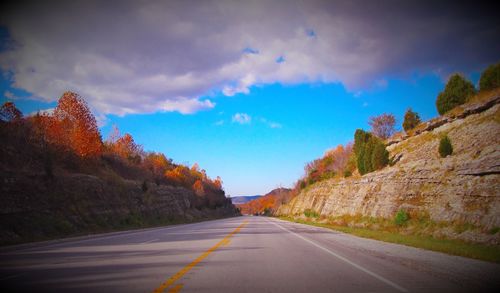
(361, 137)
(490, 78)
(380, 156)
(457, 91)
(370, 152)
(411, 120)
(445, 147)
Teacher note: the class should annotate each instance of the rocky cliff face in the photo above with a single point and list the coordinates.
(33, 207)
(462, 188)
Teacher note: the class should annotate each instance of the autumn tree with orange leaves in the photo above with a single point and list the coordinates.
(157, 164)
(126, 148)
(218, 183)
(74, 126)
(198, 188)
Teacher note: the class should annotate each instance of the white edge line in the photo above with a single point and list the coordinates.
(153, 240)
(378, 277)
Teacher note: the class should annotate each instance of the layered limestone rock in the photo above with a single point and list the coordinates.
(33, 207)
(461, 188)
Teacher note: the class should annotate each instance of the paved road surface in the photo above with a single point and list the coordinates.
(242, 254)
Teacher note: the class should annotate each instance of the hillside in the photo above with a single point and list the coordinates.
(265, 204)
(58, 178)
(453, 197)
(243, 199)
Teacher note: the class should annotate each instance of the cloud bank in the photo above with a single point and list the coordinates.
(149, 56)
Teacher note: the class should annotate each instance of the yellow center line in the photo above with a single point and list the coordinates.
(177, 288)
(187, 268)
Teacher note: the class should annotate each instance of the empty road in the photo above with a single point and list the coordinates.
(242, 254)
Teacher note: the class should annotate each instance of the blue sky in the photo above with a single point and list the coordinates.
(251, 90)
(290, 125)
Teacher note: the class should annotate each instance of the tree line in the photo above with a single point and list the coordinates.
(68, 139)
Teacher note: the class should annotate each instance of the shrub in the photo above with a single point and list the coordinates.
(311, 214)
(494, 230)
(370, 152)
(490, 78)
(411, 120)
(347, 173)
(334, 162)
(401, 218)
(445, 147)
(457, 91)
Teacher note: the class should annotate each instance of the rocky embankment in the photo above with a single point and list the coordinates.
(463, 188)
(33, 207)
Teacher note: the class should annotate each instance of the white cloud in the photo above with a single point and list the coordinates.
(9, 95)
(271, 124)
(219, 123)
(148, 56)
(241, 118)
(49, 111)
(275, 125)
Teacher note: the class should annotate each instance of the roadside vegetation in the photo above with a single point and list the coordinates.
(445, 147)
(57, 170)
(368, 153)
(415, 232)
(68, 140)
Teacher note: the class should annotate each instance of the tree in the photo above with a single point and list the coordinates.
(157, 163)
(457, 91)
(218, 183)
(76, 126)
(445, 147)
(9, 112)
(411, 120)
(114, 134)
(490, 78)
(195, 167)
(180, 175)
(380, 156)
(370, 152)
(361, 138)
(126, 148)
(383, 125)
(198, 188)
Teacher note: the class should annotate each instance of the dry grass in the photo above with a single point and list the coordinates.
(393, 235)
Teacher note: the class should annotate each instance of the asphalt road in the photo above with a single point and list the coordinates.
(242, 254)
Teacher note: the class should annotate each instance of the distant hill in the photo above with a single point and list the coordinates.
(244, 199)
(268, 202)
